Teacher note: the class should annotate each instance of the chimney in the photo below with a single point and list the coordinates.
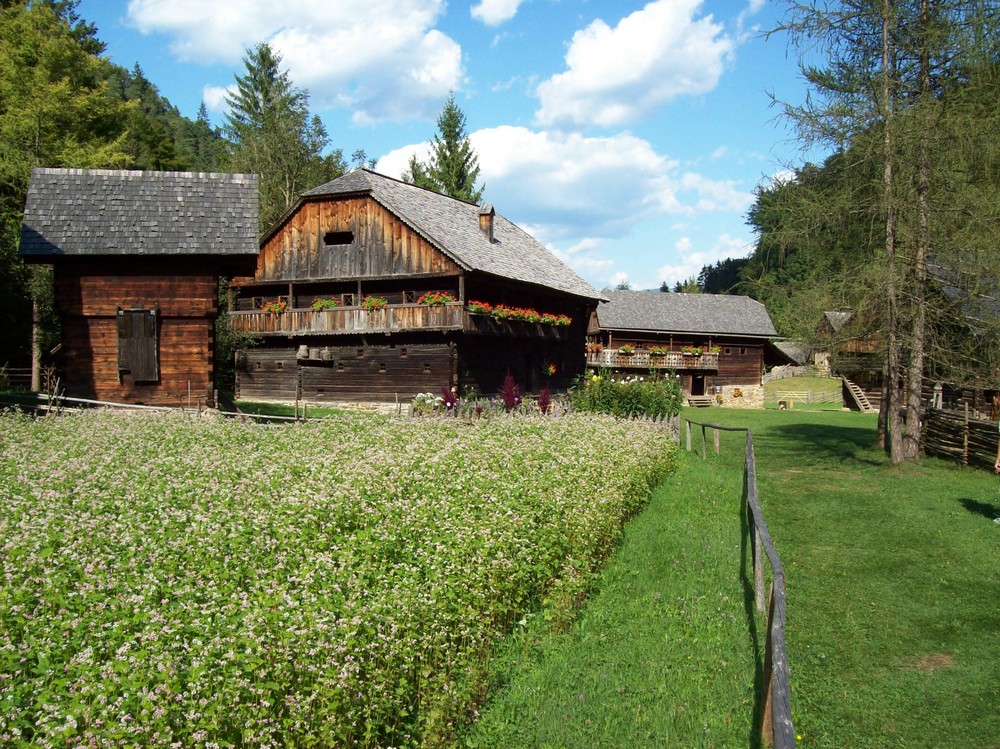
(486, 214)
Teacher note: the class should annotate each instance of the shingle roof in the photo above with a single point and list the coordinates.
(96, 212)
(452, 226)
(685, 313)
(837, 320)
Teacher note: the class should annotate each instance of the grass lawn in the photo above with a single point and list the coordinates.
(893, 582)
(893, 619)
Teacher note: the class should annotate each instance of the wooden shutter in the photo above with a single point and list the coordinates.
(137, 344)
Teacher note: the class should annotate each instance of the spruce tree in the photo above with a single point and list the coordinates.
(453, 168)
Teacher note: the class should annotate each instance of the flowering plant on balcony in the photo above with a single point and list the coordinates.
(627, 349)
(275, 306)
(480, 308)
(321, 303)
(549, 369)
(714, 349)
(435, 298)
(691, 350)
(563, 320)
(658, 350)
(372, 303)
(593, 347)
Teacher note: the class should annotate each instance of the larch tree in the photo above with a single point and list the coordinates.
(878, 98)
(453, 168)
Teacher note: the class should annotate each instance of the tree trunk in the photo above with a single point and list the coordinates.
(36, 344)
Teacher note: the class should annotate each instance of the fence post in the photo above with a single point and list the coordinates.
(704, 444)
(715, 434)
(688, 434)
(766, 725)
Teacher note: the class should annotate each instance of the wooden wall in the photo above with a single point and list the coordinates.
(87, 298)
(353, 373)
(382, 246)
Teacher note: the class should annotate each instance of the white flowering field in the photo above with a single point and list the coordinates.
(174, 581)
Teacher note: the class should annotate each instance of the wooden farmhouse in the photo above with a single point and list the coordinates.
(718, 345)
(136, 258)
(370, 289)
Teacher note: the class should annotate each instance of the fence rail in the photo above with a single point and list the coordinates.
(776, 727)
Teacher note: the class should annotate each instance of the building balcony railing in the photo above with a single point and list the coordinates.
(615, 359)
(394, 318)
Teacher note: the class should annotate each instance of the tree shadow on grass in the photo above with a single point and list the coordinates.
(981, 508)
(817, 443)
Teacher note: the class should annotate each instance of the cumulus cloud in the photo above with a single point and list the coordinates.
(383, 58)
(689, 263)
(495, 12)
(615, 76)
(575, 193)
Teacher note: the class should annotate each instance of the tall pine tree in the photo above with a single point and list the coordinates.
(453, 168)
(274, 136)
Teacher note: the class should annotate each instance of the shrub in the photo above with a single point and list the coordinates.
(628, 397)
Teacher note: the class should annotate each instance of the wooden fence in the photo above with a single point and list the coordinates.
(955, 435)
(776, 727)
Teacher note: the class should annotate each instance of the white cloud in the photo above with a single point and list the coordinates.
(576, 194)
(215, 97)
(495, 12)
(382, 58)
(617, 75)
(688, 264)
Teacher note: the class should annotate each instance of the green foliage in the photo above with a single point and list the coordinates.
(274, 135)
(627, 397)
(454, 167)
(55, 111)
(173, 580)
(721, 278)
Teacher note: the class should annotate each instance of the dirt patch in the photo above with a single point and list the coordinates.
(929, 663)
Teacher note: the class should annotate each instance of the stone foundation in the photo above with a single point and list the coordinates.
(750, 396)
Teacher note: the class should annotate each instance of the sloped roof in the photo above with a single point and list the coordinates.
(837, 320)
(719, 314)
(95, 212)
(452, 226)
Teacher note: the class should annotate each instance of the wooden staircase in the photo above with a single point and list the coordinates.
(859, 396)
(699, 401)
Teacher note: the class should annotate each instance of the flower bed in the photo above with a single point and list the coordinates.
(176, 581)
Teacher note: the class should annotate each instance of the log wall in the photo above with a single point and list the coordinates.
(360, 373)
(87, 298)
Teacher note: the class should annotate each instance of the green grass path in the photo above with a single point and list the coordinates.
(660, 656)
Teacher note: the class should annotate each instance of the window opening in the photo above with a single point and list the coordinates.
(338, 237)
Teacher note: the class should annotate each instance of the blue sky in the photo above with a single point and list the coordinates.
(628, 137)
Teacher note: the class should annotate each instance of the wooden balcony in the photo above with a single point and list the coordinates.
(395, 318)
(615, 359)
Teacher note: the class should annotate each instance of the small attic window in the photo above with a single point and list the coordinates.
(338, 237)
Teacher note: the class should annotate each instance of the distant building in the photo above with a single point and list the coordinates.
(717, 344)
(137, 258)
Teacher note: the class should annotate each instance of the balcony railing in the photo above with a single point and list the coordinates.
(391, 319)
(347, 320)
(615, 359)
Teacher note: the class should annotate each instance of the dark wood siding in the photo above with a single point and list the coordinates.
(383, 246)
(89, 296)
(357, 373)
